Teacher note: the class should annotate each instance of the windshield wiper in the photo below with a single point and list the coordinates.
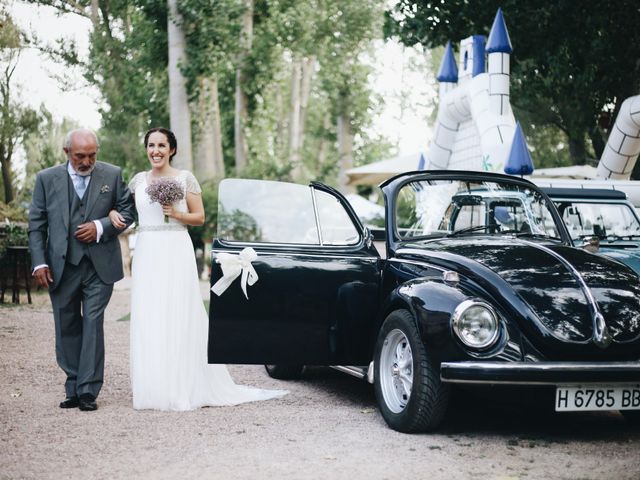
(536, 235)
(474, 228)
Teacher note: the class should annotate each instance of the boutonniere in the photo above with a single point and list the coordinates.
(105, 189)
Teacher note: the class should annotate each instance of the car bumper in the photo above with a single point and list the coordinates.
(540, 373)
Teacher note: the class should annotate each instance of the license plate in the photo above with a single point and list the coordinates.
(597, 397)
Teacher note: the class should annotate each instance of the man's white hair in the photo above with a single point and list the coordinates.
(67, 139)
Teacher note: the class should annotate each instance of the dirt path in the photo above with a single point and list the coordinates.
(327, 427)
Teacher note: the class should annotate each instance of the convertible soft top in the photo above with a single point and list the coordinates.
(588, 193)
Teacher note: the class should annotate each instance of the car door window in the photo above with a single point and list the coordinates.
(263, 211)
(266, 212)
(336, 226)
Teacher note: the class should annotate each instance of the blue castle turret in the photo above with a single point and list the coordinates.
(519, 161)
(448, 71)
(498, 56)
(499, 40)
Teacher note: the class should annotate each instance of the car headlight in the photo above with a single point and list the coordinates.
(475, 323)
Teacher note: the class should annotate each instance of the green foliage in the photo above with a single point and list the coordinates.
(238, 225)
(548, 145)
(12, 212)
(12, 235)
(211, 29)
(206, 232)
(43, 148)
(16, 119)
(568, 70)
(128, 64)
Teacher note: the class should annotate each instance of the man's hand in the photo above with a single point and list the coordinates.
(87, 232)
(43, 277)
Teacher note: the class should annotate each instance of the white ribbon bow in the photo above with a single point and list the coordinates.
(234, 265)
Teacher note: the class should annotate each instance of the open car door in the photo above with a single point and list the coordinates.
(318, 276)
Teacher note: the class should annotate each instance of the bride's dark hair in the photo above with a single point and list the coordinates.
(173, 143)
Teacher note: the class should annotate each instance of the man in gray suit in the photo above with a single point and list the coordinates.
(76, 255)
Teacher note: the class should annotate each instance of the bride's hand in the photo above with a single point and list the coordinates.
(117, 220)
(169, 211)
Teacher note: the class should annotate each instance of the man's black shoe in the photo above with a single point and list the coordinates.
(87, 402)
(70, 402)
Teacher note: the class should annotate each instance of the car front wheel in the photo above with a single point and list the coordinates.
(410, 394)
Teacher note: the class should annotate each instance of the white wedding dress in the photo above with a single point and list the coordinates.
(169, 323)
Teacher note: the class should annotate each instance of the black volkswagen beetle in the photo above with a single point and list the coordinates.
(477, 283)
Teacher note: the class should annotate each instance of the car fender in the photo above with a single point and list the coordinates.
(431, 303)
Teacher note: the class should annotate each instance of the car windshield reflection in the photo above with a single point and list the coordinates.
(446, 208)
(611, 222)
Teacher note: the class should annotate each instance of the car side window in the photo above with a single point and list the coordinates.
(262, 211)
(469, 216)
(336, 226)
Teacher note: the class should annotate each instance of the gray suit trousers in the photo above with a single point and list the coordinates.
(80, 334)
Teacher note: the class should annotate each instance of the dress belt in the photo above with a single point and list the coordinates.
(161, 228)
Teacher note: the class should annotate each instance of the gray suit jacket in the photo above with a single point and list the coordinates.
(49, 219)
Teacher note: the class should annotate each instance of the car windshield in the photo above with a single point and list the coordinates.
(438, 208)
(611, 221)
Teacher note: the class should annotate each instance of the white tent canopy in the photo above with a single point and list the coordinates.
(375, 173)
(579, 172)
(365, 209)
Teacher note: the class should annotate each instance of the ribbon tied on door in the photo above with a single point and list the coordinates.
(234, 266)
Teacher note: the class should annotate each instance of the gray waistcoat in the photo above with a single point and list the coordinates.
(76, 249)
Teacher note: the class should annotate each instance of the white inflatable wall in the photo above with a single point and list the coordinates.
(623, 146)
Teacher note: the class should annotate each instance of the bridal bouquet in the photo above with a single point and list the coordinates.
(165, 191)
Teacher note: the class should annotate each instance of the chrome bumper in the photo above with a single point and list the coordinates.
(541, 373)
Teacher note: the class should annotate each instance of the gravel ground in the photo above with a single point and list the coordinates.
(327, 427)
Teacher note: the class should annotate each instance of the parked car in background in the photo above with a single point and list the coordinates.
(603, 219)
(479, 284)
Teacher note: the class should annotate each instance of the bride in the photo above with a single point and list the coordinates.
(169, 323)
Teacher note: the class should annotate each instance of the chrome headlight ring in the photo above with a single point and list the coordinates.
(476, 324)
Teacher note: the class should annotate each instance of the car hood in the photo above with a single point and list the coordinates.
(628, 256)
(577, 297)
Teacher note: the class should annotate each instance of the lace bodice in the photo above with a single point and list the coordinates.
(151, 213)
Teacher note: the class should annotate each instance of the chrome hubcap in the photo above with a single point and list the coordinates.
(396, 370)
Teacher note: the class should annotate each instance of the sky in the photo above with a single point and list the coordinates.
(35, 73)
(408, 96)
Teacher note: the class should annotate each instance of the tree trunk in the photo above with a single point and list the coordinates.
(241, 113)
(8, 125)
(7, 180)
(345, 152)
(95, 13)
(577, 150)
(597, 142)
(324, 143)
(179, 112)
(308, 67)
(208, 161)
(294, 120)
(280, 140)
